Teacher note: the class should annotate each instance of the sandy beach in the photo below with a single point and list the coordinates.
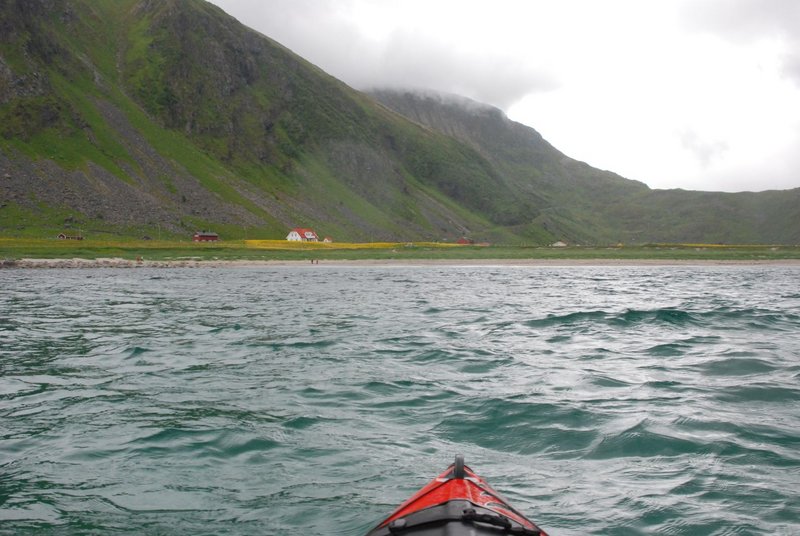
(117, 262)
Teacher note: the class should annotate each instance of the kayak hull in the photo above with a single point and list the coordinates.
(458, 502)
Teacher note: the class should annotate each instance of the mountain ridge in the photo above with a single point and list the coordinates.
(577, 184)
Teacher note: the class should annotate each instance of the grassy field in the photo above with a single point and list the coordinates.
(158, 250)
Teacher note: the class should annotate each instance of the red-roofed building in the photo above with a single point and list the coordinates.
(205, 236)
(302, 235)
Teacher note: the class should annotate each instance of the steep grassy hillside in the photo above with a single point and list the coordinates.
(160, 117)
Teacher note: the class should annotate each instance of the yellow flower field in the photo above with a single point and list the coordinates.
(286, 244)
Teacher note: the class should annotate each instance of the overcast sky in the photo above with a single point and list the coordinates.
(693, 94)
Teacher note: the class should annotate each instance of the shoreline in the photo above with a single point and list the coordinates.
(116, 262)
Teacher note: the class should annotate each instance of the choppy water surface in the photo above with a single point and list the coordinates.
(313, 399)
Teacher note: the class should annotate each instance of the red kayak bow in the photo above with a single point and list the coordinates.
(455, 503)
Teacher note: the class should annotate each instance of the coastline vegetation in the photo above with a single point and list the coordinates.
(282, 250)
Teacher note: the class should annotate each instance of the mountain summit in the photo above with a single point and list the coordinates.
(141, 116)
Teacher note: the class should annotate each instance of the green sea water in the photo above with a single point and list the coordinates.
(314, 399)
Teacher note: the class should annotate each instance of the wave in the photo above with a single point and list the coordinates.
(628, 317)
(521, 427)
(640, 442)
(735, 366)
(135, 351)
(722, 318)
(199, 444)
(758, 393)
(567, 319)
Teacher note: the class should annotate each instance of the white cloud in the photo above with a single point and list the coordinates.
(699, 94)
(704, 150)
(374, 44)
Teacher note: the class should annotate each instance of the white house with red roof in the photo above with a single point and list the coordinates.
(299, 234)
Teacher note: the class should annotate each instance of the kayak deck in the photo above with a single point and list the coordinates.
(458, 502)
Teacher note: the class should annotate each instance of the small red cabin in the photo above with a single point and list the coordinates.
(205, 236)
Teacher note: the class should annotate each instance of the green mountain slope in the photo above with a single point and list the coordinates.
(138, 117)
(129, 115)
(583, 204)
